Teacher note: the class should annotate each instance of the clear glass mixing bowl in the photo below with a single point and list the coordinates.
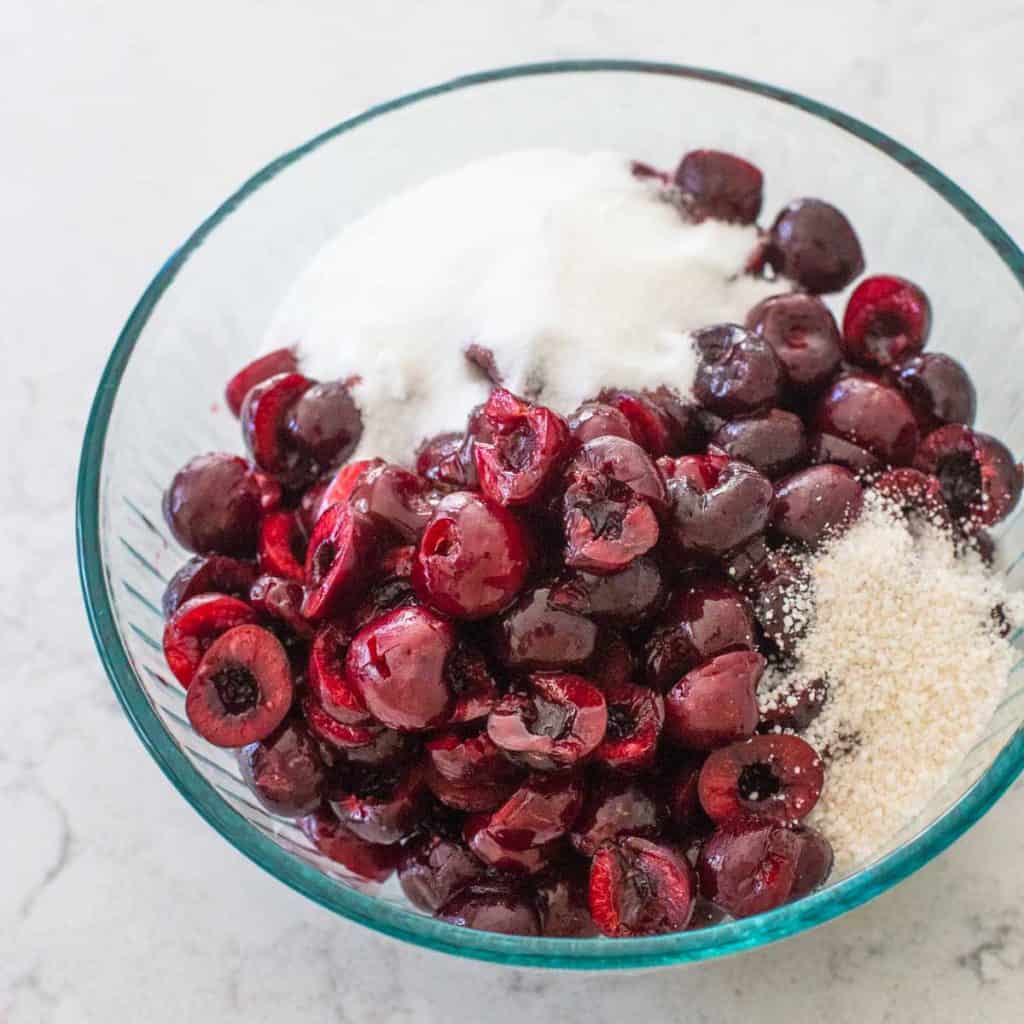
(160, 401)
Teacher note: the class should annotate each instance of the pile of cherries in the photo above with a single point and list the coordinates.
(524, 673)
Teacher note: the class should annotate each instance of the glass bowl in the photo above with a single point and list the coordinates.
(160, 401)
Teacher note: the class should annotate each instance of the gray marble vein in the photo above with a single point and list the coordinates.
(122, 125)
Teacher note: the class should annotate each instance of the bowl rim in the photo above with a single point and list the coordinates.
(381, 915)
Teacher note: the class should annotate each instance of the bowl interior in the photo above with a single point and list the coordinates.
(161, 402)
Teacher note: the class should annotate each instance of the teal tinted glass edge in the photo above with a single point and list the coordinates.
(377, 914)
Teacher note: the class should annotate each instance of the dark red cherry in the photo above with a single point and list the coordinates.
(213, 506)
(773, 442)
(871, 415)
(775, 778)
(706, 617)
(529, 445)
(813, 503)
(715, 703)
(559, 722)
(938, 389)
(398, 665)
(803, 333)
(715, 503)
(720, 186)
(638, 887)
(536, 633)
(979, 478)
(887, 320)
(813, 244)
(472, 558)
(737, 372)
(242, 689)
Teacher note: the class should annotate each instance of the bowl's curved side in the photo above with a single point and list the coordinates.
(384, 917)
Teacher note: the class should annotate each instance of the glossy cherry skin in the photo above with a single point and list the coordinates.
(284, 771)
(517, 837)
(379, 805)
(213, 506)
(813, 244)
(627, 598)
(398, 666)
(492, 907)
(433, 868)
(715, 503)
(558, 723)
(803, 333)
(705, 618)
(748, 867)
(773, 443)
(472, 558)
(816, 502)
(720, 186)
(738, 372)
(938, 389)
(616, 807)
(872, 415)
(536, 634)
(715, 703)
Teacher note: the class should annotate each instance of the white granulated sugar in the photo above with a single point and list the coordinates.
(902, 630)
(575, 273)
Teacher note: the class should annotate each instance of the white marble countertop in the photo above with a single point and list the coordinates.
(122, 124)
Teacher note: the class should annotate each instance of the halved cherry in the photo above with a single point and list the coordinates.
(242, 689)
(327, 679)
(264, 417)
(196, 624)
(208, 574)
(339, 488)
(282, 546)
(635, 719)
(558, 723)
(340, 560)
(774, 778)
(638, 887)
(529, 445)
(281, 360)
